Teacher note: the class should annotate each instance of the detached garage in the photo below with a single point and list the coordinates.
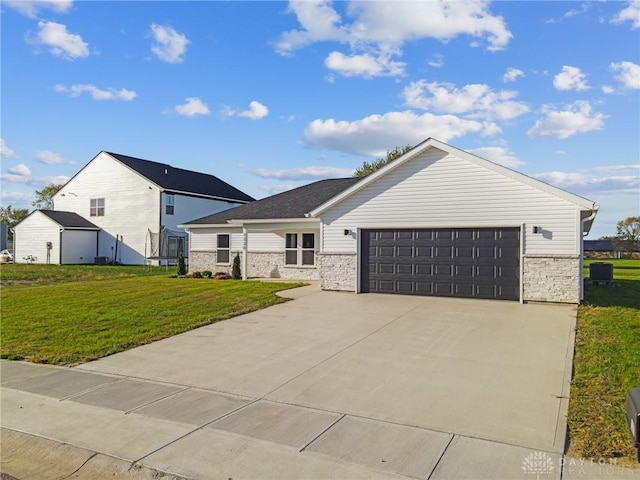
(57, 237)
(436, 221)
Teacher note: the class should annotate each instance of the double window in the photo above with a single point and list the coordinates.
(170, 203)
(223, 249)
(96, 207)
(300, 249)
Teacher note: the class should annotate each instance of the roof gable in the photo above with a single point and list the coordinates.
(182, 181)
(69, 220)
(581, 202)
(295, 203)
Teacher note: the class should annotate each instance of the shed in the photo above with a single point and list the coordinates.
(57, 237)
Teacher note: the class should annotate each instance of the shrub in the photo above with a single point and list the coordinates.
(182, 266)
(236, 274)
(206, 273)
(197, 275)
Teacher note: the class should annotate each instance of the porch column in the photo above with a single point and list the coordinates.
(245, 247)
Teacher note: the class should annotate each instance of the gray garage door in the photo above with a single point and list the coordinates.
(455, 262)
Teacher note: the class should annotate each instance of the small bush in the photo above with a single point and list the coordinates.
(182, 266)
(206, 273)
(236, 274)
(197, 275)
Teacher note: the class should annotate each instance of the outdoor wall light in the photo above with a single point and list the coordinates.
(537, 230)
(347, 231)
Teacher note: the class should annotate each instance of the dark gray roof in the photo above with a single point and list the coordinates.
(598, 246)
(69, 220)
(290, 204)
(179, 180)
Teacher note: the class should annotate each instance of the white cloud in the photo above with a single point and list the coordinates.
(628, 74)
(376, 31)
(512, 74)
(60, 42)
(373, 135)
(592, 181)
(476, 100)
(635, 168)
(256, 111)
(276, 188)
(6, 152)
(608, 89)
(436, 60)
(31, 8)
(50, 158)
(629, 14)
(35, 181)
(571, 13)
(21, 169)
(500, 155)
(193, 106)
(96, 93)
(366, 65)
(570, 78)
(170, 45)
(304, 173)
(577, 117)
(21, 198)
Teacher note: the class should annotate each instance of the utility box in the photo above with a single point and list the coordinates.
(100, 260)
(632, 415)
(601, 272)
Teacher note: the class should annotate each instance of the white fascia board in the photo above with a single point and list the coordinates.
(274, 220)
(201, 195)
(196, 226)
(577, 200)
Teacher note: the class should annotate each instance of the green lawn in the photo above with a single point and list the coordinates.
(606, 365)
(68, 315)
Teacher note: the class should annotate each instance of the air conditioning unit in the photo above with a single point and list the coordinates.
(101, 260)
(601, 272)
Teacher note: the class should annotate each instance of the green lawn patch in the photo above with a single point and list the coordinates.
(64, 321)
(606, 365)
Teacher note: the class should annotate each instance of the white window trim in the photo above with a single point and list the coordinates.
(228, 249)
(299, 250)
(170, 197)
(97, 207)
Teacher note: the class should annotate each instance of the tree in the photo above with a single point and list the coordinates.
(182, 266)
(368, 168)
(628, 233)
(44, 197)
(12, 217)
(236, 273)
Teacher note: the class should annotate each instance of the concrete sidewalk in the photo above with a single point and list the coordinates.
(329, 385)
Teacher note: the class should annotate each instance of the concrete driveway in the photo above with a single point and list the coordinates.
(330, 385)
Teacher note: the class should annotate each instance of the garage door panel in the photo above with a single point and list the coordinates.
(482, 262)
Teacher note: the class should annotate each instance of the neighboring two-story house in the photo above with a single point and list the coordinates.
(123, 209)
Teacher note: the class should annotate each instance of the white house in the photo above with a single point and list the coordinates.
(136, 205)
(436, 221)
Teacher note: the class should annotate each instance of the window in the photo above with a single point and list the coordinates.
(170, 203)
(96, 207)
(291, 249)
(300, 253)
(223, 248)
(175, 246)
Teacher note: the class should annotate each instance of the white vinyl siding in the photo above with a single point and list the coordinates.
(31, 237)
(441, 190)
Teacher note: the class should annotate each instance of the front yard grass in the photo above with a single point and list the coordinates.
(606, 365)
(63, 321)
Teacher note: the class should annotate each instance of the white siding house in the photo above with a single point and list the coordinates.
(436, 221)
(132, 200)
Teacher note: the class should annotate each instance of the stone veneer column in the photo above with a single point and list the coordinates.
(552, 278)
(337, 271)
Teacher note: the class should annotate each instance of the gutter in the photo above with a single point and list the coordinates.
(590, 218)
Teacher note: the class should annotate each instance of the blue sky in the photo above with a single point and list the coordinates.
(272, 95)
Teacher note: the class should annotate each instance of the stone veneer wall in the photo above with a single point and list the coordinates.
(271, 265)
(337, 271)
(201, 260)
(552, 278)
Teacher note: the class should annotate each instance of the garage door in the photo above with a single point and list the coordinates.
(456, 262)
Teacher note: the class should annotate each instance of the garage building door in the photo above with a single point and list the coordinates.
(454, 262)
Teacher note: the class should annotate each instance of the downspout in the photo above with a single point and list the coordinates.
(60, 258)
(245, 247)
(583, 221)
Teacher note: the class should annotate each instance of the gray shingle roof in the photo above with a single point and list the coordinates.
(69, 219)
(290, 204)
(180, 180)
(598, 245)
